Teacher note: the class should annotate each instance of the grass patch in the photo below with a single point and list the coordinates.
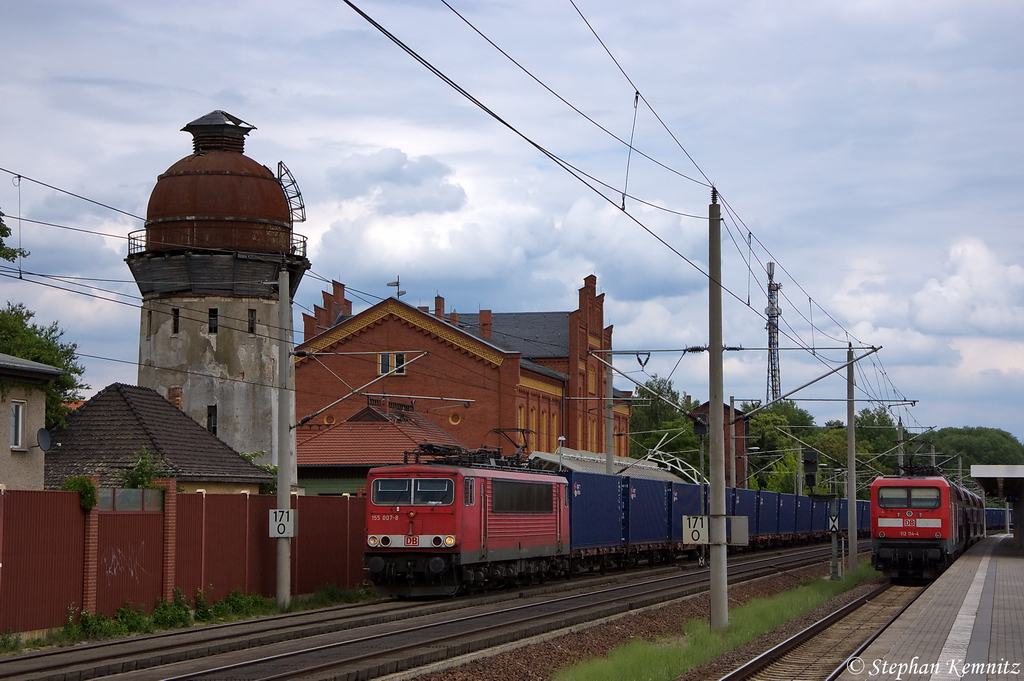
(178, 613)
(646, 661)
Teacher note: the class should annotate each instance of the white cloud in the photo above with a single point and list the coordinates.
(977, 294)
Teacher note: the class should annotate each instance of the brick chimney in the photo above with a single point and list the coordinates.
(485, 324)
(439, 307)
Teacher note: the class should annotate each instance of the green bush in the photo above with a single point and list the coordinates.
(134, 621)
(10, 643)
(85, 488)
(203, 612)
(173, 614)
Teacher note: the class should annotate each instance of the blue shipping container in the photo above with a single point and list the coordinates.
(595, 509)
(646, 510)
(768, 513)
(685, 501)
(787, 513)
(803, 514)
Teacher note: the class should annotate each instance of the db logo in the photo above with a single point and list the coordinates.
(576, 489)
(412, 540)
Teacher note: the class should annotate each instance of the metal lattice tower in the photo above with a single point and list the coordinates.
(774, 312)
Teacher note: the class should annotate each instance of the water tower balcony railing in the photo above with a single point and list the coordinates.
(140, 241)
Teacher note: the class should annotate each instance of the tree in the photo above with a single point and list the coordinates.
(876, 432)
(142, 472)
(650, 420)
(978, 446)
(22, 338)
(7, 253)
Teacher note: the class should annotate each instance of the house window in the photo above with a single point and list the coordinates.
(213, 320)
(252, 320)
(17, 425)
(388, 361)
(211, 418)
(175, 320)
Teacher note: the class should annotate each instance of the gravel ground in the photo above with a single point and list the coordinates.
(537, 662)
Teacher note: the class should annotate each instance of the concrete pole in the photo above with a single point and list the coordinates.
(609, 421)
(732, 441)
(284, 423)
(716, 426)
(799, 472)
(851, 466)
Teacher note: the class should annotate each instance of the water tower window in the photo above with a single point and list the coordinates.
(213, 320)
(252, 320)
(175, 320)
(211, 418)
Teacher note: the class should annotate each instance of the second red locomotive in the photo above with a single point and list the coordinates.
(921, 522)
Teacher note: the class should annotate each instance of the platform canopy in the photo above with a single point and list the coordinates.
(1000, 481)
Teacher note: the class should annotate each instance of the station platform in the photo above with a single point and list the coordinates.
(968, 624)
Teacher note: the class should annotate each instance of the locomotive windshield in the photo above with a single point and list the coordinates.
(413, 492)
(908, 497)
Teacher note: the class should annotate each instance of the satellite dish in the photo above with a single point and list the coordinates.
(43, 438)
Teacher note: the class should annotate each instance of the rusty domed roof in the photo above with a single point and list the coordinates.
(218, 198)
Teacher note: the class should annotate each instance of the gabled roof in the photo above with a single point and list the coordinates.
(534, 334)
(105, 435)
(442, 330)
(371, 437)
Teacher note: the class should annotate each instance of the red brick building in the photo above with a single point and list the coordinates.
(484, 378)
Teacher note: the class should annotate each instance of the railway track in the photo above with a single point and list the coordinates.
(822, 650)
(374, 639)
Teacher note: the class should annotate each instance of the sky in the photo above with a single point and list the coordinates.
(871, 149)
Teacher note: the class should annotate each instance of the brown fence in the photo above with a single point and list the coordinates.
(54, 556)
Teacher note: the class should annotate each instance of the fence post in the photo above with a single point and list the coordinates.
(170, 563)
(90, 574)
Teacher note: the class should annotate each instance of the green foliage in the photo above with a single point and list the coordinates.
(90, 626)
(22, 338)
(6, 252)
(10, 642)
(140, 475)
(657, 424)
(265, 487)
(85, 488)
(331, 594)
(876, 432)
(646, 661)
(202, 611)
(173, 614)
(134, 621)
(979, 446)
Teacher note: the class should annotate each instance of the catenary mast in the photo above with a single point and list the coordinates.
(774, 312)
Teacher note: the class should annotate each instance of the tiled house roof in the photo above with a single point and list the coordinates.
(105, 435)
(371, 437)
(534, 334)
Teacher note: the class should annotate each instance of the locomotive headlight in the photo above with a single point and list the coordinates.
(882, 535)
(373, 540)
(449, 541)
(938, 535)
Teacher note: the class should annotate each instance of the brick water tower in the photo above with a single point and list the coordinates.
(218, 233)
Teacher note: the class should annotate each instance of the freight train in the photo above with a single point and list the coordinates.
(921, 522)
(439, 528)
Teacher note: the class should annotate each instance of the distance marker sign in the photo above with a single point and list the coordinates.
(282, 522)
(695, 529)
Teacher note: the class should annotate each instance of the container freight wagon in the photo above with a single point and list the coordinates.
(646, 505)
(685, 501)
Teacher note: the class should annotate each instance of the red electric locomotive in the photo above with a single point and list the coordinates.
(920, 523)
(435, 529)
